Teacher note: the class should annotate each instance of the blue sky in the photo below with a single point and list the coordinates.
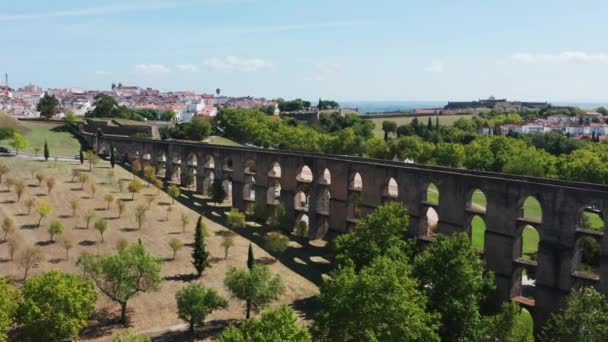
(346, 50)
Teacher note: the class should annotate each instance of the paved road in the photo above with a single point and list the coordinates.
(39, 157)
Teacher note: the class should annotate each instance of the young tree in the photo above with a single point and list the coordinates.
(29, 204)
(276, 242)
(150, 173)
(47, 154)
(218, 193)
(14, 243)
(122, 276)
(350, 307)
(9, 302)
(3, 171)
(88, 217)
(56, 305)
(83, 178)
(44, 209)
(39, 177)
(168, 211)
(584, 317)
(174, 192)
(140, 215)
(158, 184)
(134, 188)
(10, 182)
(250, 257)
(75, 174)
(19, 142)
(175, 246)
(227, 243)
(112, 156)
(388, 127)
(20, 188)
(279, 218)
(185, 219)
(458, 302)
(93, 159)
(50, 183)
(257, 287)
(109, 198)
(382, 232)
(279, 324)
(301, 231)
(122, 244)
(67, 245)
(36, 151)
(121, 205)
(93, 188)
(8, 227)
(28, 258)
(48, 106)
(149, 200)
(56, 228)
(101, 226)
(195, 302)
(200, 256)
(235, 219)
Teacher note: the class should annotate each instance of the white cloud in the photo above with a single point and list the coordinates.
(102, 72)
(152, 68)
(187, 67)
(231, 63)
(560, 57)
(436, 66)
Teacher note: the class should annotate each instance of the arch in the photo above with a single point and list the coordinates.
(323, 201)
(477, 228)
(227, 184)
(587, 253)
(227, 164)
(526, 257)
(250, 167)
(305, 175)
(476, 201)
(208, 181)
(209, 162)
(432, 194)
(432, 218)
(301, 200)
(249, 188)
(325, 178)
(275, 170)
(390, 189)
(273, 194)
(531, 210)
(146, 156)
(303, 217)
(356, 182)
(192, 159)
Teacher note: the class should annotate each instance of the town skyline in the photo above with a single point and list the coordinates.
(383, 51)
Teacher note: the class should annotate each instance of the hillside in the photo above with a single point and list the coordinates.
(8, 121)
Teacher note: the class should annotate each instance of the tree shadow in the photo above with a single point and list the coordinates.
(189, 277)
(210, 330)
(7, 202)
(87, 243)
(65, 216)
(56, 260)
(307, 306)
(128, 230)
(44, 243)
(29, 226)
(101, 323)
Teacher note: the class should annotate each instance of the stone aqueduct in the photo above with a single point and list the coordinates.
(339, 189)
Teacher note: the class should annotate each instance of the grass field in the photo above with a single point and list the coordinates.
(60, 142)
(216, 140)
(443, 121)
(8, 121)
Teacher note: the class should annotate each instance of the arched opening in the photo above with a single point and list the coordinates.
(227, 184)
(390, 190)
(531, 210)
(250, 167)
(477, 201)
(209, 162)
(227, 165)
(301, 199)
(323, 201)
(432, 194)
(161, 165)
(478, 233)
(325, 179)
(191, 172)
(526, 251)
(274, 193)
(322, 227)
(275, 171)
(208, 181)
(356, 182)
(249, 188)
(303, 217)
(590, 231)
(432, 218)
(305, 175)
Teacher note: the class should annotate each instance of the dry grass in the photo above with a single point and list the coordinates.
(150, 313)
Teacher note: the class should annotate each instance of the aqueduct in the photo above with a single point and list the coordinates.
(332, 192)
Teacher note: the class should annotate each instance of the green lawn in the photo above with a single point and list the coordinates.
(60, 142)
(214, 139)
(443, 121)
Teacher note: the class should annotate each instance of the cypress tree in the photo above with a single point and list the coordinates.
(437, 123)
(429, 125)
(250, 258)
(200, 257)
(81, 156)
(46, 151)
(112, 156)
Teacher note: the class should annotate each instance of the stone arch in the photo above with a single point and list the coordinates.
(249, 167)
(273, 194)
(302, 198)
(303, 217)
(476, 201)
(355, 188)
(161, 164)
(191, 172)
(431, 219)
(355, 182)
(305, 175)
(477, 232)
(103, 150)
(208, 181)
(390, 190)
(590, 231)
(227, 184)
(432, 194)
(209, 162)
(275, 170)
(322, 202)
(227, 164)
(325, 178)
(531, 210)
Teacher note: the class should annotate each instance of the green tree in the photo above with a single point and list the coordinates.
(200, 256)
(46, 151)
(120, 277)
(28, 258)
(380, 303)
(112, 156)
(56, 228)
(81, 156)
(135, 187)
(44, 209)
(584, 317)
(174, 192)
(279, 218)
(9, 302)
(195, 303)
(301, 231)
(250, 257)
(70, 118)
(140, 215)
(258, 287)
(508, 325)
(235, 219)
(101, 226)
(8, 227)
(56, 305)
(388, 127)
(452, 275)
(276, 242)
(175, 246)
(93, 159)
(278, 324)
(382, 232)
(19, 142)
(218, 193)
(48, 106)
